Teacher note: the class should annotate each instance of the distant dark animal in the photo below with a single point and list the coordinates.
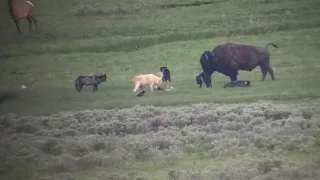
(90, 81)
(238, 83)
(20, 9)
(203, 77)
(229, 58)
(167, 77)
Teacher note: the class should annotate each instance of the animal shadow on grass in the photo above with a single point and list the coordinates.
(7, 96)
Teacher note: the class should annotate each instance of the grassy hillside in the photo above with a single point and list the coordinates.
(71, 135)
(125, 38)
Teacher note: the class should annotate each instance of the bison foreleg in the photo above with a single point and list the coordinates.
(234, 77)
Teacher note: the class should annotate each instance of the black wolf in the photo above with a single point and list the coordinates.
(229, 58)
(203, 77)
(166, 74)
(90, 81)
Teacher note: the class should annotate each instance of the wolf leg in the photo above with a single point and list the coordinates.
(136, 86)
(151, 86)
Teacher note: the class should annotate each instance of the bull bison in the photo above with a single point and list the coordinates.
(229, 58)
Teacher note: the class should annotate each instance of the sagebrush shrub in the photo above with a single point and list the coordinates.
(84, 140)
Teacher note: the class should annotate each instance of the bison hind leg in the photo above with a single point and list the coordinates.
(270, 70)
(264, 70)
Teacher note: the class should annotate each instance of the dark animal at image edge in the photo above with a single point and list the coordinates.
(229, 58)
(90, 81)
(22, 10)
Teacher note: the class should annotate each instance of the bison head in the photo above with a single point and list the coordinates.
(207, 62)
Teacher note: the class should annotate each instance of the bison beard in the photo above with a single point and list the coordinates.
(229, 58)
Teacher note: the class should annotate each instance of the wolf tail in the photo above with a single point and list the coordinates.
(77, 84)
(274, 45)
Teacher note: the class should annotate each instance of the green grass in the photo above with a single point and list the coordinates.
(295, 64)
(194, 163)
(129, 37)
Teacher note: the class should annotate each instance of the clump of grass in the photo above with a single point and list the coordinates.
(96, 9)
(87, 10)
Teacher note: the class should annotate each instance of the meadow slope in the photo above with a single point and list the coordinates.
(268, 131)
(132, 37)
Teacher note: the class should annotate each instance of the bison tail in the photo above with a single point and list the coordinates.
(272, 45)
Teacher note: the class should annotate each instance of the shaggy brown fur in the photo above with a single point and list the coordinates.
(229, 58)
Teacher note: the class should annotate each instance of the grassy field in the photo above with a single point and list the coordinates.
(129, 37)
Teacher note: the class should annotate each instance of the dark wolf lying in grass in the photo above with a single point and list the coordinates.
(238, 83)
(229, 58)
(90, 81)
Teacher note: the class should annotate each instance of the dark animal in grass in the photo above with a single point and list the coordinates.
(238, 83)
(203, 77)
(90, 81)
(141, 93)
(20, 9)
(166, 75)
(229, 58)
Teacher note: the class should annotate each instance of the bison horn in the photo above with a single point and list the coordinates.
(206, 56)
